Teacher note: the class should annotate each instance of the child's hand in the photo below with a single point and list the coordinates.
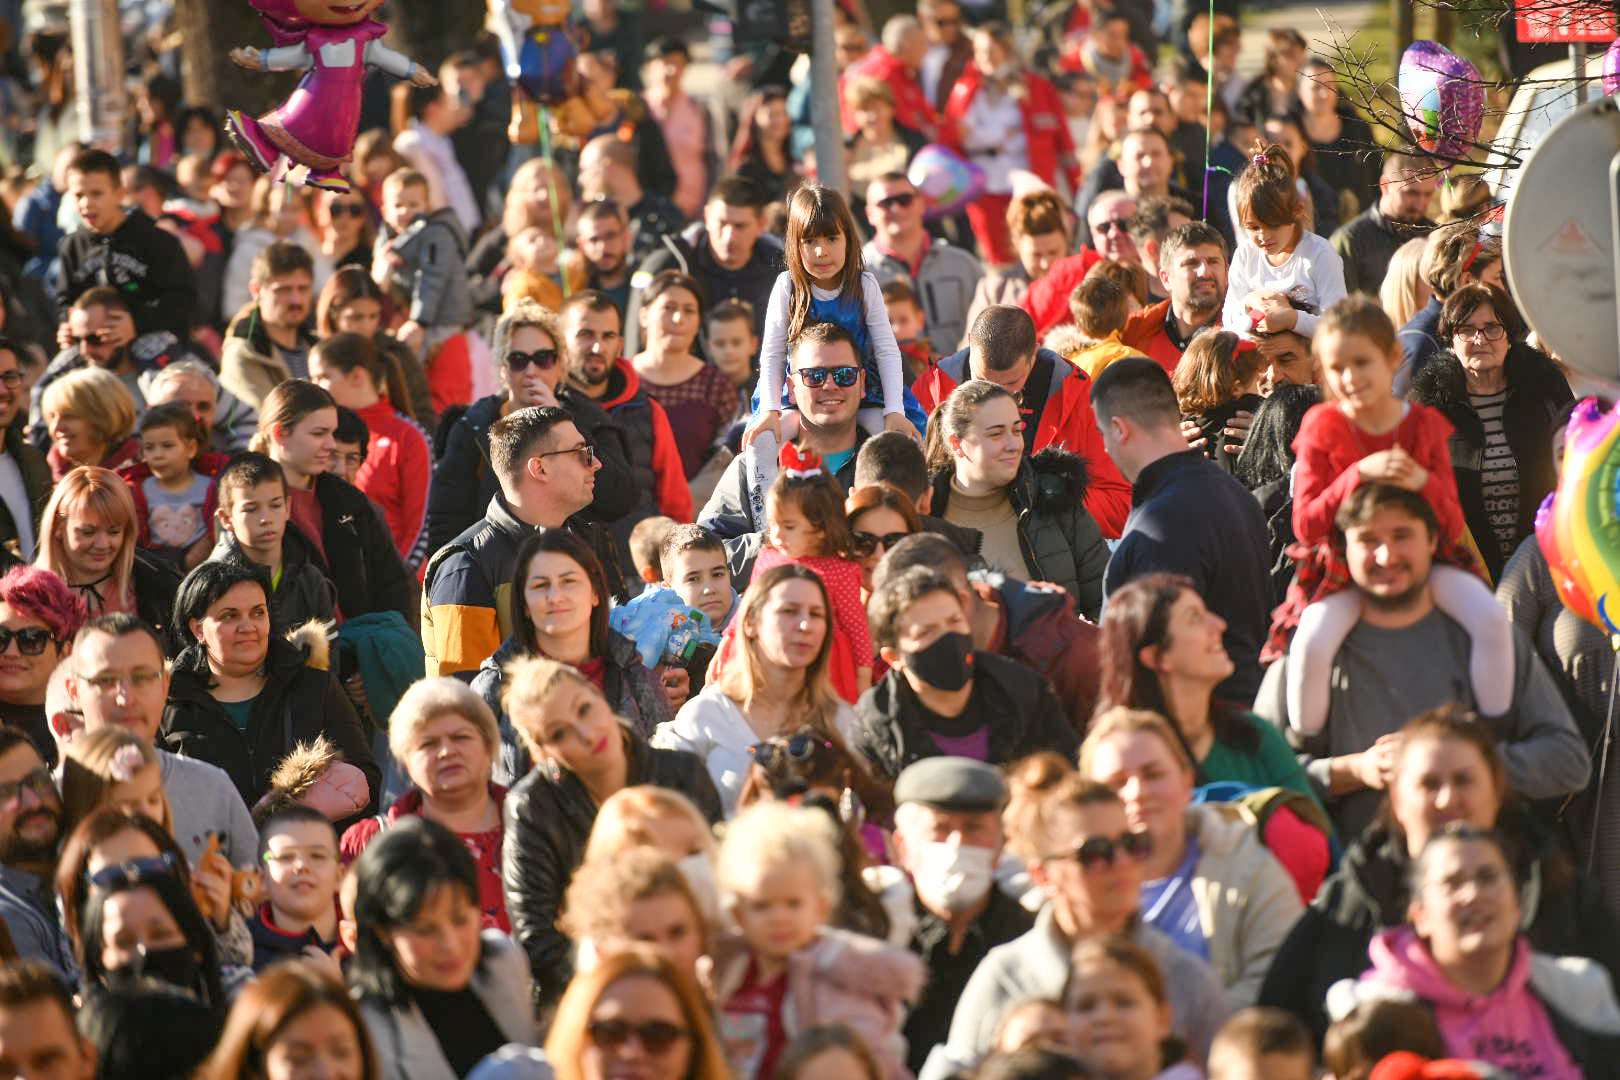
(897, 422)
(677, 685)
(410, 335)
(769, 422)
(1393, 466)
(1270, 311)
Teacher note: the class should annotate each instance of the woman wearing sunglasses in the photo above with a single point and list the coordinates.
(698, 397)
(1083, 855)
(345, 226)
(437, 992)
(635, 1014)
(1209, 882)
(351, 303)
(880, 516)
(1029, 512)
(39, 615)
(558, 608)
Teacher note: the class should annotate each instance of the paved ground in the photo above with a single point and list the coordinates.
(1321, 23)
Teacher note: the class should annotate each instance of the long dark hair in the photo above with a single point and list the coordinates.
(98, 827)
(1138, 617)
(267, 1005)
(203, 588)
(172, 892)
(815, 212)
(1268, 452)
(559, 542)
(395, 876)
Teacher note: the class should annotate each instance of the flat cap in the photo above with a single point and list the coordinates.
(951, 783)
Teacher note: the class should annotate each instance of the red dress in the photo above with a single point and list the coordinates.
(1326, 451)
(851, 639)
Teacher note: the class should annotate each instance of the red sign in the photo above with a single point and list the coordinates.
(1542, 22)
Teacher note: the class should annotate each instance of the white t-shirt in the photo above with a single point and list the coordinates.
(1313, 275)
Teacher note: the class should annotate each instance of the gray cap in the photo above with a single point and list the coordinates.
(952, 783)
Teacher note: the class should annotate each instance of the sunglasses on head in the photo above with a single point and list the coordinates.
(1098, 851)
(132, 872)
(816, 377)
(897, 202)
(544, 359)
(866, 543)
(799, 748)
(31, 640)
(655, 1036)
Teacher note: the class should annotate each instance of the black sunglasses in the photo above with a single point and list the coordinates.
(866, 543)
(816, 377)
(898, 202)
(1113, 225)
(1097, 851)
(31, 640)
(586, 451)
(39, 782)
(133, 872)
(346, 209)
(655, 1036)
(799, 748)
(544, 359)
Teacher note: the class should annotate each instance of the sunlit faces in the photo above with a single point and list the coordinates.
(780, 909)
(1037, 253)
(142, 794)
(257, 517)
(1438, 782)
(531, 384)
(438, 949)
(1390, 555)
(168, 453)
(319, 1043)
(1193, 647)
(789, 531)
(671, 320)
(1154, 786)
(791, 625)
(616, 1049)
(235, 630)
(362, 316)
(353, 389)
(302, 868)
(988, 455)
(91, 329)
(927, 618)
(119, 681)
(23, 676)
(91, 543)
(879, 523)
(403, 203)
(1103, 896)
(668, 922)
(1118, 1025)
(74, 438)
(133, 921)
(31, 822)
(574, 729)
(828, 406)
(593, 340)
(604, 241)
(306, 450)
(906, 320)
(732, 232)
(199, 395)
(1274, 241)
(702, 579)
(1464, 903)
(731, 347)
(448, 756)
(38, 1041)
(558, 595)
(823, 257)
(1356, 373)
(97, 198)
(1196, 278)
(285, 301)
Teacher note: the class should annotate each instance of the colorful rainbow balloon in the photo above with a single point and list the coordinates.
(1442, 97)
(949, 180)
(1611, 68)
(1578, 526)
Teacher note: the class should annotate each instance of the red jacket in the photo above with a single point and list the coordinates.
(911, 105)
(1066, 421)
(1046, 127)
(1145, 333)
(135, 474)
(395, 476)
(1073, 60)
(1048, 299)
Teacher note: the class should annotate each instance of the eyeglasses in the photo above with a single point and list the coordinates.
(586, 452)
(655, 1036)
(346, 209)
(38, 781)
(1097, 851)
(544, 359)
(135, 680)
(866, 543)
(31, 640)
(897, 202)
(1112, 225)
(1491, 331)
(798, 748)
(816, 377)
(134, 871)
(11, 379)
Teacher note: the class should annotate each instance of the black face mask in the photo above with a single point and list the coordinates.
(945, 664)
(176, 966)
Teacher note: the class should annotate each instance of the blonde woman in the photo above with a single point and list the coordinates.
(1405, 290)
(89, 415)
(87, 538)
(539, 198)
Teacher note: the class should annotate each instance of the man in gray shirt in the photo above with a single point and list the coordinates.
(1404, 657)
(30, 833)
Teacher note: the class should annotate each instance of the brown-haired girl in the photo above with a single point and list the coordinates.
(825, 281)
(1283, 275)
(1217, 377)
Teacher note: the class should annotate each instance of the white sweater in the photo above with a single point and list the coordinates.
(1313, 274)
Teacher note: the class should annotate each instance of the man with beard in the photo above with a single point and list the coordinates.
(266, 344)
(1192, 265)
(1368, 241)
(602, 238)
(592, 343)
(1404, 657)
(30, 830)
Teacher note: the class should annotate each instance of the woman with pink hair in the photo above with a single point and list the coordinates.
(39, 615)
(333, 43)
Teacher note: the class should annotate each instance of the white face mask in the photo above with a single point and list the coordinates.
(952, 877)
(698, 869)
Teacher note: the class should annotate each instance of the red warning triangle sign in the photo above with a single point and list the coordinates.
(1571, 239)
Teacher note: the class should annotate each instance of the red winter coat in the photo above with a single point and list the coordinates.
(911, 106)
(1046, 128)
(395, 475)
(1048, 299)
(135, 475)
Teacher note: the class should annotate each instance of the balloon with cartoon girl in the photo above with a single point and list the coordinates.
(332, 42)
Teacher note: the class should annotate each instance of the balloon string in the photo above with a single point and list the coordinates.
(551, 186)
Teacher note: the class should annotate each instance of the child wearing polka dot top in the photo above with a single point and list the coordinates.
(805, 524)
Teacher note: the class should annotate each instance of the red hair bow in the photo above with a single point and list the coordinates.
(799, 464)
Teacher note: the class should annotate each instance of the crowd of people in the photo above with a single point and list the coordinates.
(619, 608)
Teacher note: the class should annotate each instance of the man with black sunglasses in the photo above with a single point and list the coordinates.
(943, 276)
(528, 356)
(30, 831)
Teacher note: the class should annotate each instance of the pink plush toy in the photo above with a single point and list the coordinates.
(333, 42)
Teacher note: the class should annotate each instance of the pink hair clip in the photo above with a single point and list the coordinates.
(1260, 158)
(126, 762)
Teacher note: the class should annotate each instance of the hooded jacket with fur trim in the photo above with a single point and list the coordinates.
(301, 700)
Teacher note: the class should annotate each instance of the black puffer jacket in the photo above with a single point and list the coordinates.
(629, 687)
(1060, 541)
(548, 818)
(1016, 702)
(301, 700)
(1536, 391)
(1368, 893)
(464, 483)
(361, 558)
